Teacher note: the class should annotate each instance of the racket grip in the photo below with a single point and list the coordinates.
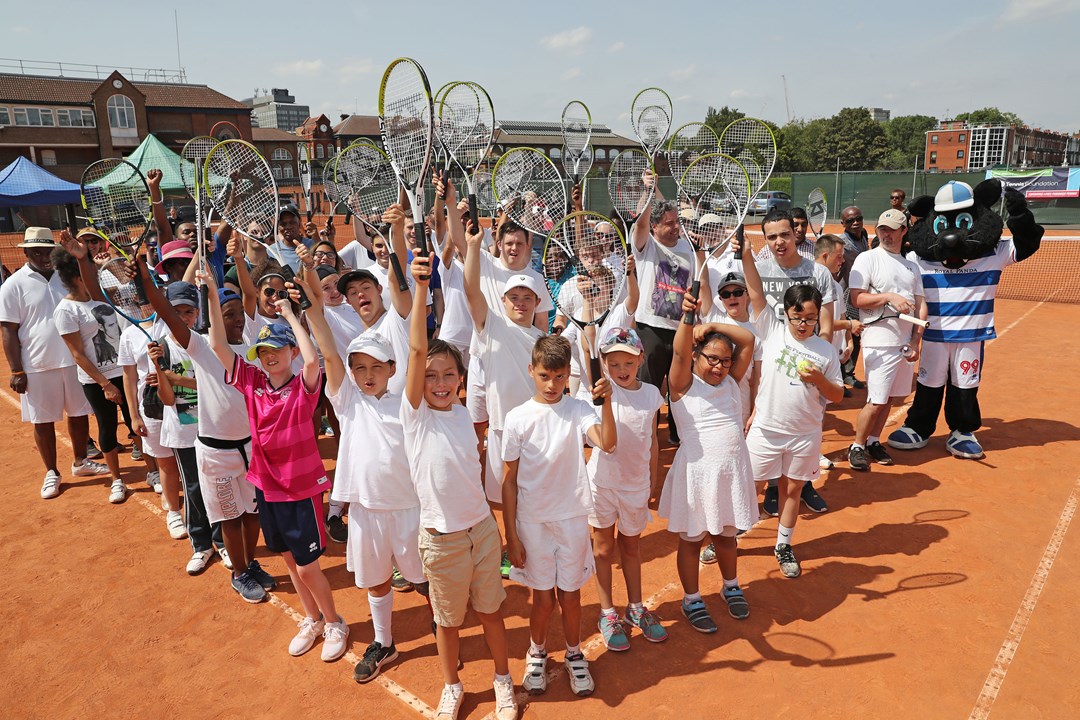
(695, 288)
(348, 216)
(290, 276)
(204, 304)
(330, 219)
(420, 229)
(740, 235)
(161, 360)
(594, 373)
(398, 273)
(474, 215)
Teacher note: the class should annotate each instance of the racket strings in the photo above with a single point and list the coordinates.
(195, 151)
(752, 139)
(626, 185)
(120, 287)
(715, 208)
(530, 189)
(576, 127)
(578, 166)
(584, 265)
(485, 191)
(689, 143)
(406, 117)
(650, 116)
(247, 199)
(117, 201)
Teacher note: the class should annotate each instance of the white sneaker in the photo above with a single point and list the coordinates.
(175, 522)
(51, 487)
(449, 703)
(535, 680)
(577, 668)
(117, 492)
(335, 640)
(310, 628)
(199, 561)
(825, 463)
(225, 559)
(505, 703)
(153, 479)
(89, 468)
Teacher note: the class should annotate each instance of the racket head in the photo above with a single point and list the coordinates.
(303, 166)
(330, 187)
(247, 196)
(123, 292)
(194, 154)
(225, 130)
(116, 199)
(626, 185)
(576, 125)
(367, 182)
(577, 167)
(687, 144)
(528, 187)
(753, 138)
(817, 209)
(406, 120)
(650, 116)
(485, 192)
(584, 266)
(714, 207)
(470, 106)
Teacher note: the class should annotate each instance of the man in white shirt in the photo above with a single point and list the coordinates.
(882, 277)
(42, 370)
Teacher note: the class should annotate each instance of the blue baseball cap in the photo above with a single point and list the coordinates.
(274, 335)
(225, 296)
(954, 195)
(182, 293)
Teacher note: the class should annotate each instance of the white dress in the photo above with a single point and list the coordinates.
(709, 485)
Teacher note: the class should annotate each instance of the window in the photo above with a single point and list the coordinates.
(555, 153)
(959, 154)
(933, 158)
(329, 151)
(33, 117)
(48, 158)
(319, 151)
(287, 172)
(281, 154)
(933, 139)
(5, 118)
(121, 113)
(600, 154)
(74, 118)
(277, 172)
(963, 137)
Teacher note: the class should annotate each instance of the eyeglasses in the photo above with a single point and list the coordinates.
(715, 360)
(856, 218)
(802, 322)
(324, 254)
(604, 235)
(896, 197)
(725, 294)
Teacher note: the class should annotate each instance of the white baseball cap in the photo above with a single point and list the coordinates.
(521, 280)
(372, 344)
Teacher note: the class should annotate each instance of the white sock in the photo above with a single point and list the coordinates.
(381, 610)
(336, 509)
(783, 535)
(871, 439)
(456, 688)
(608, 611)
(503, 678)
(857, 445)
(573, 650)
(691, 597)
(733, 582)
(537, 650)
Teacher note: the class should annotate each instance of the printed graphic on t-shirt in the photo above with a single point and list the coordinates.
(671, 282)
(107, 338)
(187, 399)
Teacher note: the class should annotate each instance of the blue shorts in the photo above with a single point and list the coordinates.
(293, 526)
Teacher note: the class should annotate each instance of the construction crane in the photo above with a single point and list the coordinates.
(787, 104)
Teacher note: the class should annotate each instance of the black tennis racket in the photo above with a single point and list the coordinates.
(888, 312)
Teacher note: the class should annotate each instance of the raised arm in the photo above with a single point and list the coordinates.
(743, 340)
(324, 336)
(758, 301)
(219, 341)
(311, 370)
(681, 374)
(400, 299)
(418, 340)
(633, 292)
(164, 308)
(473, 294)
(157, 203)
(87, 268)
(643, 227)
(249, 294)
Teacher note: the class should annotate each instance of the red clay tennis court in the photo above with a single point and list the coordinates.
(939, 587)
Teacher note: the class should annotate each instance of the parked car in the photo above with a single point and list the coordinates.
(770, 200)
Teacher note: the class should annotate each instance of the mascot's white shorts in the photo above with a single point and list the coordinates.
(957, 363)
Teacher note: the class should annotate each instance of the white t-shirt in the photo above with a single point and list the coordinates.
(344, 323)
(628, 467)
(839, 337)
(96, 323)
(504, 349)
(493, 276)
(441, 448)
(880, 271)
(717, 314)
(180, 421)
(222, 410)
(386, 276)
(395, 329)
(786, 404)
(547, 442)
(372, 465)
(663, 277)
(457, 324)
(775, 280)
(28, 298)
(132, 351)
(355, 256)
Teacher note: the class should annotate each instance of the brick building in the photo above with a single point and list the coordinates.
(955, 146)
(279, 149)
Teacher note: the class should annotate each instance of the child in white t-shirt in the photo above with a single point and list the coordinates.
(459, 539)
(546, 501)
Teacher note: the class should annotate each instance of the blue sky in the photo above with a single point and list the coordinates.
(912, 58)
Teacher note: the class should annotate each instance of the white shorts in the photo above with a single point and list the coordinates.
(728, 531)
(52, 393)
(774, 454)
(493, 473)
(629, 508)
(958, 363)
(888, 374)
(226, 492)
(151, 443)
(381, 539)
(476, 393)
(557, 554)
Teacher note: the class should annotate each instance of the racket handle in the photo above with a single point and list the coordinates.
(204, 304)
(348, 216)
(396, 265)
(695, 288)
(594, 373)
(161, 360)
(474, 214)
(741, 236)
(330, 219)
(420, 228)
(290, 276)
(914, 320)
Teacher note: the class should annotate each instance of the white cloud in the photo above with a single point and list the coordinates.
(571, 73)
(617, 47)
(356, 67)
(300, 67)
(23, 30)
(569, 41)
(1021, 10)
(684, 73)
(739, 93)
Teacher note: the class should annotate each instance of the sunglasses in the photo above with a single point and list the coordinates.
(725, 294)
(269, 292)
(604, 235)
(896, 197)
(324, 254)
(856, 218)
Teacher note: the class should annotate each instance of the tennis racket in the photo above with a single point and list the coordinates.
(193, 158)
(817, 210)
(441, 152)
(303, 166)
(752, 139)
(406, 122)
(717, 211)
(888, 312)
(467, 108)
(630, 195)
(576, 124)
(225, 130)
(687, 144)
(650, 116)
(116, 199)
(485, 192)
(577, 168)
(585, 273)
(123, 290)
(530, 190)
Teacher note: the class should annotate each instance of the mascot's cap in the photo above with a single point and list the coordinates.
(954, 196)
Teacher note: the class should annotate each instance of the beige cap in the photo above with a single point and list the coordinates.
(893, 219)
(37, 237)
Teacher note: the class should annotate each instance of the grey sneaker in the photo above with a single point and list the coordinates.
(248, 589)
(374, 658)
(788, 564)
(878, 453)
(92, 450)
(857, 458)
(708, 555)
(265, 579)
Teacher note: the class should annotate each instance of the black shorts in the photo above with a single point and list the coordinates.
(293, 526)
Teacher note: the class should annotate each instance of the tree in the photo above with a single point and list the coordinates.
(796, 143)
(907, 140)
(990, 116)
(720, 119)
(852, 136)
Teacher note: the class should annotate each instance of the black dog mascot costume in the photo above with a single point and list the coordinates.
(956, 241)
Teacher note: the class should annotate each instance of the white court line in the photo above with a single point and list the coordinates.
(1005, 655)
(387, 684)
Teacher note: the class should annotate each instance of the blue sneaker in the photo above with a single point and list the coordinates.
(647, 622)
(698, 615)
(613, 632)
(963, 445)
(736, 603)
(906, 439)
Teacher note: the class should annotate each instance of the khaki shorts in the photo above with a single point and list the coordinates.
(463, 567)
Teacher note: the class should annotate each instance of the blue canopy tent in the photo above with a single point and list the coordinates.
(24, 184)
